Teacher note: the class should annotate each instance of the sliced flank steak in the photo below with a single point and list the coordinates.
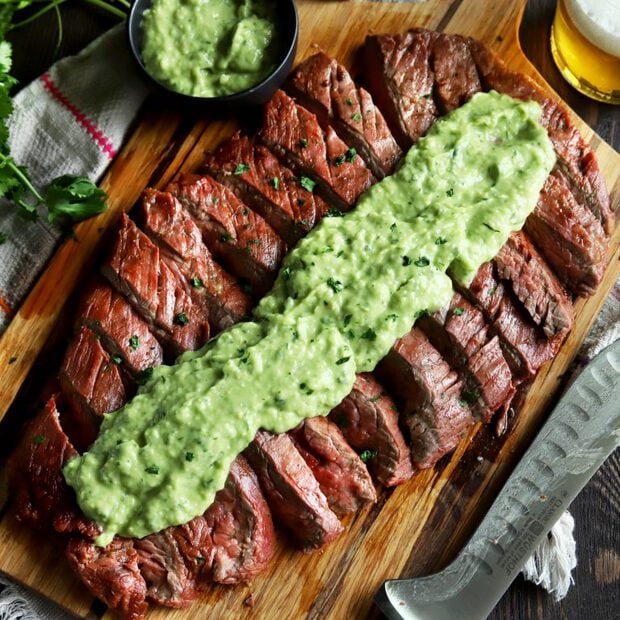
(231, 543)
(123, 332)
(271, 189)
(206, 282)
(111, 574)
(91, 378)
(431, 393)
(340, 472)
(292, 491)
(40, 494)
(568, 235)
(368, 419)
(325, 88)
(400, 79)
(242, 239)
(137, 271)
(577, 160)
(535, 286)
(524, 343)
(460, 333)
(295, 135)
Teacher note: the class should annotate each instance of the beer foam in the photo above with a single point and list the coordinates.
(598, 21)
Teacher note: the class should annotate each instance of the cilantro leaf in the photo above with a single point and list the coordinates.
(74, 199)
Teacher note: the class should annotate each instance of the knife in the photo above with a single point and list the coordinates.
(581, 432)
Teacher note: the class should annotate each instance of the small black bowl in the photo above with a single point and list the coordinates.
(288, 32)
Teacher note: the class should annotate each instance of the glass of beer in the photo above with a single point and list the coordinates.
(585, 43)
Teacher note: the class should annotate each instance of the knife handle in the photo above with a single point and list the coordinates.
(579, 435)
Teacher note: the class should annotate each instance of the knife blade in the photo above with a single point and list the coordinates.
(581, 432)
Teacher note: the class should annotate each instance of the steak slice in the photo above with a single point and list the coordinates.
(325, 88)
(577, 158)
(123, 332)
(568, 235)
(136, 270)
(525, 346)
(209, 285)
(460, 333)
(294, 134)
(456, 76)
(368, 420)
(431, 394)
(90, 378)
(111, 574)
(247, 245)
(292, 491)
(267, 186)
(400, 79)
(340, 472)
(535, 286)
(39, 491)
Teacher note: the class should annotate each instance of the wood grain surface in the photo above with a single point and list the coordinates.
(414, 529)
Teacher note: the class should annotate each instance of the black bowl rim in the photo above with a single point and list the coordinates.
(233, 97)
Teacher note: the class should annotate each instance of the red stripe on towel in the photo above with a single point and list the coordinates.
(4, 307)
(96, 134)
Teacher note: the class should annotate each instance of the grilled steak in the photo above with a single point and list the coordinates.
(90, 378)
(577, 159)
(368, 420)
(111, 574)
(525, 346)
(430, 391)
(292, 491)
(326, 89)
(234, 233)
(209, 285)
(294, 134)
(122, 331)
(568, 235)
(268, 187)
(40, 494)
(400, 79)
(535, 286)
(340, 472)
(456, 77)
(136, 270)
(460, 334)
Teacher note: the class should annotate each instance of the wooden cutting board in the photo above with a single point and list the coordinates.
(414, 529)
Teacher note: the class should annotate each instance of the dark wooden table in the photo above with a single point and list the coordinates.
(596, 594)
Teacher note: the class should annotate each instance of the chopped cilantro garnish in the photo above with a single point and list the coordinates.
(335, 285)
(196, 282)
(369, 334)
(457, 311)
(342, 360)
(366, 455)
(189, 456)
(338, 161)
(350, 154)
(450, 193)
(422, 261)
(357, 117)
(144, 375)
(38, 439)
(241, 168)
(307, 183)
(117, 359)
(303, 143)
(406, 261)
(276, 183)
(440, 240)
(152, 469)
(134, 342)
(181, 319)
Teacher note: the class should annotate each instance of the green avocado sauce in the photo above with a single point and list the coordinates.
(343, 296)
(209, 48)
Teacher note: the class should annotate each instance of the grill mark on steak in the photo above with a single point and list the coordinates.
(568, 235)
(325, 88)
(577, 158)
(205, 281)
(431, 395)
(460, 333)
(400, 80)
(295, 135)
(111, 574)
(268, 187)
(40, 494)
(340, 472)
(525, 346)
(535, 286)
(122, 331)
(137, 271)
(90, 379)
(292, 491)
(242, 239)
(368, 419)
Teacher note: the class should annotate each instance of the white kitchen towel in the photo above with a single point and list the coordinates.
(71, 120)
